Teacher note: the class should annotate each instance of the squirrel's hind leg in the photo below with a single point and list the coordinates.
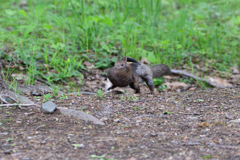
(135, 87)
(135, 83)
(148, 79)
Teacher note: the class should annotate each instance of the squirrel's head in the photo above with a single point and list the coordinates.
(121, 63)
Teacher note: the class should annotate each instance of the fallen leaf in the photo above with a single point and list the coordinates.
(175, 85)
(235, 69)
(204, 124)
(19, 76)
(235, 79)
(219, 81)
(88, 64)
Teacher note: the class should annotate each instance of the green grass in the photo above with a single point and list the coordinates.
(64, 33)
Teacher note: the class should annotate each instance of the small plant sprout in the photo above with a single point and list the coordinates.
(100, 94)
(46, 97)
(167, 112)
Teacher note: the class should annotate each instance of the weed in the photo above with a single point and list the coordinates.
(47, 97)
(99, 94)
(9, 139)
(63, 96)
(162, 87)
(55, 91)
(132, 98)
(122, 98)
(135, 108)
(208, 157)
(167, 112)
(158, 81)
(188, 81)
(199, 100)
(10, 119)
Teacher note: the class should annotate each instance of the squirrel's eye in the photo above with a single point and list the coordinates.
(121, 64)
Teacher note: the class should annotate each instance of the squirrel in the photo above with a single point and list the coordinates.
(124, 74)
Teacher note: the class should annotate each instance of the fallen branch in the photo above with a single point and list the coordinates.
(182, 73)
(82, 93)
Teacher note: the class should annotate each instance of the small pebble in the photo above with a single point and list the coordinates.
(4, 133)
(138, 121)
(154, 134)
(192, 118)
(227, 117)
(81, 146)
(235, 121)
(117, 120)
(48, 107)
(142, 147)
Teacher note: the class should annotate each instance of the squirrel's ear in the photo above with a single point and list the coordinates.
(125, 57)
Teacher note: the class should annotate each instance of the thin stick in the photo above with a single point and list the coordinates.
(182, 73)
(23, 105)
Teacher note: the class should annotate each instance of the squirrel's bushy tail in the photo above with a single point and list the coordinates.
(160, 70)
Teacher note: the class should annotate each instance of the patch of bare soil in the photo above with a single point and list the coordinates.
(170, 125)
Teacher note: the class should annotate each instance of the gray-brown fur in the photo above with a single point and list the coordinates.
(160, 70)
(124, 74)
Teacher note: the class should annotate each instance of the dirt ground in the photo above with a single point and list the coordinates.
(170, 125)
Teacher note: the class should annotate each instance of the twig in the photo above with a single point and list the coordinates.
(191, 144)
(182, 73)
(23, 105)
(82, 93)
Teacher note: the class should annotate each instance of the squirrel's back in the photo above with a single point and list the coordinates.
(154, 71)
(160, 70)
(142, 70)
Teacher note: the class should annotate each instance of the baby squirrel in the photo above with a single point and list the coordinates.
(124, 74)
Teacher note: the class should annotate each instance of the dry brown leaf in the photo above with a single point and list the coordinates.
(175, 85)
(23, 3)
(46, 66)
(235, 79)
(192, 89)
(204, 124)
(235, 69)
(19, 76)
(220, 81)
(169, 77)
(21, 68)
(88, 64)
